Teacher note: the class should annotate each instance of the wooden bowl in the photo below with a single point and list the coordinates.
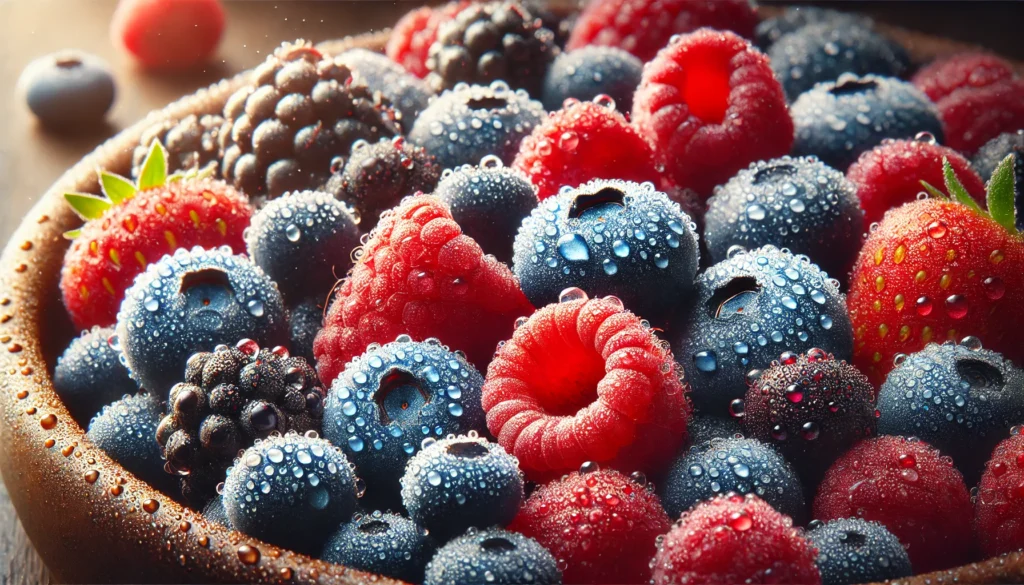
(91, 520)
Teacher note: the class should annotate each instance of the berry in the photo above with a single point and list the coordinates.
(599, 524)
(168, 34)
(503, 558)
(443, 486)
(811, 407)
(973, 116)
(301, 110)
(823, 51)
(489, 202)
(746, 311)
(609, 237)
(581, 142)
(837, 121)
(794, 18)
(994, 151)
(999, 510)
(489, 41)
(191, 302)
(89, 374)
(942, 77)
(732, 465)
(711, 105)
(643, 27)
(734, 539)
(68, 89)
(702, 428)
(484, 120)
(795, 203)
(191, 142)
(592, 71)
(406, 92)
(134, 226)
(377, 176)
(959, 398)
(291, 490)
(124, 430)
(585, 380)
(381, 543)
(214, 512)
(391, 398)
(304, 322)
(890, 174)
(419, 275)
(905, 485)
(851, 550)
(303, 241)
(412, 36)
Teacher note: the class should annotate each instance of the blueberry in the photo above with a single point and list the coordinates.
(190, 302)
(305, 320)
(387, 401)
(469, 122)
(795, 18)
(853, 550)
(68, 89)
(291, 490)
(837, 121)
(303, 241)
(994, 151)
(795, 203)
(744, 466)
(959, 398)
(492, 556)
(408, 93)
(126, 431)
(704, 427)
(89, 374)
(488, 202)
(381, 543)
(609, 237)
(214, 512)
(462, 482)
(746, 311)
(590, 71)
(823, 51)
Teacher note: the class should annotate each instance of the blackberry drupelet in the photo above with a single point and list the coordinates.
(191, 142)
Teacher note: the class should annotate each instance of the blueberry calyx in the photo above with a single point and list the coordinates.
(487, 103)
(497, 544)
(852, 86)
(734, 298)
(392, 382)
(468, 450)
(587, 201)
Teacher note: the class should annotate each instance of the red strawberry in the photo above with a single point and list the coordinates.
(168, 34)
(938, 269)
(138, 224)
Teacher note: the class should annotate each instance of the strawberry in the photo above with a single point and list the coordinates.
(168, 34)
(940, 269)
(136, 224)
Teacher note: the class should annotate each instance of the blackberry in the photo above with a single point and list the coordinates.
(191, 143)
(377, 176)
(493, 556)
(409, 94)
(854, 550)
(381, 543)
(89, 374)
(301, 109)
(592, 71)
(230, 398)
(124, 430)
(491, 41)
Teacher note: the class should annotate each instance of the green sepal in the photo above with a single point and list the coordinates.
(87, 206)
(116, 187)
(1000, 194)
(72, 234)
(956, 189)
(154, 168)
(933, 191)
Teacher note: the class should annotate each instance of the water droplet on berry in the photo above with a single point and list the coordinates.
(756, 212)
(292, 232)
(572, 294)
(737, 408)
(926, 137)
(956, 306)
(589, 467)
(971, 342)
(924, 306)
(706, 360)
(994, 287)
(937, 229)
(573, 248)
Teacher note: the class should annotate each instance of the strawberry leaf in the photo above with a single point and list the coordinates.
(154, 168)
(934, 192)
(1000, 194)
(116, 187)
(72, 234)
(87, 206)
(956, 189)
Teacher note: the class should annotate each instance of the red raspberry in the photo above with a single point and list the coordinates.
(973, 116)
(944, 76)
(711, 105)
(643, 27)
(584, 380)
(600, 526)
(584, 141)
(890, 174)
(907, 486)
(735, 539)
(999, 513)
(168, 34)
(419, 275)
(413, 34)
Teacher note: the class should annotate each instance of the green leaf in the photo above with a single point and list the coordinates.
(116, 187)
(1000, 194)
(87, 206)
(956, 189)
(72, 234)
(934, 192)
(154, 168)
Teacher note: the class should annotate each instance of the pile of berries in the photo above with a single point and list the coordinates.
(457, 314)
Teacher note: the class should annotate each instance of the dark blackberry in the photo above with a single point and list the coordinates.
(377, 176)
(89, 374)
(854, 550)
(409, 94)
(230, 398)
(491, 41)
(305, 320)
(191, 142)
(299, 112)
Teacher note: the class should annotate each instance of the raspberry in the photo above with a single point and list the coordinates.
(712, 105)
(600, 526)
(890, 174)
(999, 519)
(413, 34)
(973, 116)
(584, 380)
(168, 34)
(942, 77)
(734, 539)
(584, 141)
(419, 275)
(908, 487)
(643, 27)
